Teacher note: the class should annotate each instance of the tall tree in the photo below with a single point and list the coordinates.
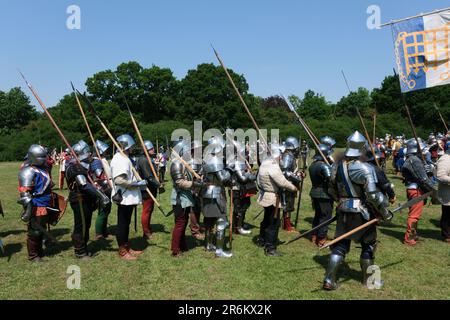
(15, 110)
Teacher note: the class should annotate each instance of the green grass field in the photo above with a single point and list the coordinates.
(421, 272)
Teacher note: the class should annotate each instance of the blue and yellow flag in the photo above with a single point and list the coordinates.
(422, 51)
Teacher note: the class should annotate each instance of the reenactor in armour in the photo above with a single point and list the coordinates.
(243, 187)
(182, 198)
(288, 166)
(35, 189)
(322, 202)
(353, 186)
(194, 216)
(146, 173)
(214, 201)
(101, 174)
(330, 142)
(84, 198)
(417, 183)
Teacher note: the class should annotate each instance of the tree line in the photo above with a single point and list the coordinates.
(162, 103)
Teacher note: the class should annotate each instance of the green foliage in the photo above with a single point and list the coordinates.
(161, 103)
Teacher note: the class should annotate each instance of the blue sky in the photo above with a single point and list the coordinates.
(283, 46)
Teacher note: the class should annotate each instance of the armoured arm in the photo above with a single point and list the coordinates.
(332, 185)
(26, 183)
(277, 176)
(366, 175)
(244, 177)
(420, 173)
(224, 176)
(84, 186)
(177, 173)
(385, 185)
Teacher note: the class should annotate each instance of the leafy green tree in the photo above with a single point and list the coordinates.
(312, 105)
(15, 110)
(360, 99)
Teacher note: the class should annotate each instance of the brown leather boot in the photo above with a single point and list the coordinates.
(133, 252)
(125, 255)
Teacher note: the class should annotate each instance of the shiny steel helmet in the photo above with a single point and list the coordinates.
(326, 150)
(291, 143)
(126, 141)
(148, 145)
(215, 145)
(82, 150)
(369, 154)
(101, 146)
(356, 145)
(36, 155)
(328, 141)
(411, 146)
(182, 147)
(276, 150)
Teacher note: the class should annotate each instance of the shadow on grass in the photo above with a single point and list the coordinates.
(160, 228)
(423, 233)
(4, 234)
(10, 250)
(436, 223)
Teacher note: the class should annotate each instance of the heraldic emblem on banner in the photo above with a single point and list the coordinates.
(422, 50)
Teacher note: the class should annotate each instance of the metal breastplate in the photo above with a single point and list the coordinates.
(288, 162)
(214, 188)
(319, 184)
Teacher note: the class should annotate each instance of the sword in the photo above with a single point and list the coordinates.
(323, 224)
(408, 204)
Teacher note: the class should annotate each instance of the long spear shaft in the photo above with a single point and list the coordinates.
(241, 99)
(188, 167)
(302, 122)
(366, 133)
(141, 140)
(374, 126)
(440, 115)
(52, 121)
(116, 144)
(419, 148)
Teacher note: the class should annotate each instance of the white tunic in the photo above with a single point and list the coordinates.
(121, 165)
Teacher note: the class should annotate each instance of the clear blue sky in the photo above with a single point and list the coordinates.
(280, 46)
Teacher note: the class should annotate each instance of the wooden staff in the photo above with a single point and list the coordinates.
(348, 234)
(442, 118)
(366, 133)
(231, 218)
(141, 140)
(304, 125)
(374, 126)
(187, 165)
(242, 100)
(419, 148)
(52, 121)
(90, 133)
(116, 144)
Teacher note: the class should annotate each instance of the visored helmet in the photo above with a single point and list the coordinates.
(101, 146)
(126, 141)
(82, 150)
(148, 145)
(182, 147)
(328, 141)
(291, 143)
(325, 149)
(412, 147)
(356, 145)
(37, 155)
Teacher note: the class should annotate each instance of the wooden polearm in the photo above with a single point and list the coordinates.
(119, 148)
(91, 135)
(374, 127)
(187, 165)
(305, 126)
(442, 118)
(361, 120)
(52, 121)
(141, 140)
(255, 125)
(413, 128)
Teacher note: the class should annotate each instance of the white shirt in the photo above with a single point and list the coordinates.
(121, 165)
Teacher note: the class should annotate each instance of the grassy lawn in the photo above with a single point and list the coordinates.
(408, 273)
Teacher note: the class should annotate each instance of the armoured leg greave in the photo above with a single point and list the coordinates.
(365, 264)
(330, 281)
(220, 239)
(209, 240)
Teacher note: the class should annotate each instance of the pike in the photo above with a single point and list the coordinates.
(241, 99)
(310, 134)
(116, 144)
(89, 131)
(408, 204)
(304, 234)
(361, 120)
(52, 121)
(187, 165)
(141, 140)
(374, 126)
(442, 118)
(300, 190)
(260, 213)
(419, 148)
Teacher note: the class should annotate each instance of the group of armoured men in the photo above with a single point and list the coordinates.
(351, 182)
